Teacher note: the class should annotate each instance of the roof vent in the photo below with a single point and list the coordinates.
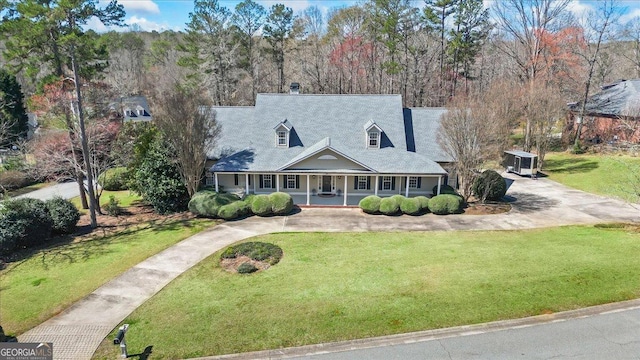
(294, 88)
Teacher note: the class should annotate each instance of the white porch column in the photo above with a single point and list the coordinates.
(345, 190)
(277, 183)
(406, 192)
(215, 175)
(246, 184)
(439, 181)
(308, 197)
(400, 186)
(376, 190)
(254, 183)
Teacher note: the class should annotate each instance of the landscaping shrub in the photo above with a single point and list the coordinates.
(424, 203)
(398, 199)
(232, 211)
(247, 268)
(13, 179)
(255, 250)
(445, 189)
(281, 203)
(445, 204)
(261, 205)
(207, 203)
(248, 199)
(389, 206)
(113, 206)
(24, 223)
(410, 206)
(114, 179)
(370, 204)
(64, 214)
(489, 186)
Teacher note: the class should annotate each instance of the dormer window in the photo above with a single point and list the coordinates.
(374, 139)
(373, 134)
(283, 130)
(140, 112)
(282, 138)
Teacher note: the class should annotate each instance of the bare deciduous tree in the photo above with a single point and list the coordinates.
(189, 124)
(471, 132)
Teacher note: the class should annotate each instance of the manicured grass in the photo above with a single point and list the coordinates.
(126, 198)
(340, 286)
(28, 189)
(49, 281)
(598, 174)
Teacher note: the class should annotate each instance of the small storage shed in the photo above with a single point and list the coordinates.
(521, 162)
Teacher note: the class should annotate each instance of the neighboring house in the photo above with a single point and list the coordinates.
(612, 114)
(341, 146)
(132, 108)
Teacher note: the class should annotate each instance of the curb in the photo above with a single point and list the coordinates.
(429, 335)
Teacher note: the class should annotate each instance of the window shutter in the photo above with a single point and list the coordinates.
(380, 181)
(419, 182)
(235, 179)
(368, 182)
(297, 181)
(284, 181)
(393, 183)
(250, 179)
(356, 180)
(261, 182)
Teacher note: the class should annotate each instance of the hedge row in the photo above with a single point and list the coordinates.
(395, 205)
(26, 222)
(398, 204)
(227, 206)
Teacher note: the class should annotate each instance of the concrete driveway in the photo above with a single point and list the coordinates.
(65, 190)
(77, 331)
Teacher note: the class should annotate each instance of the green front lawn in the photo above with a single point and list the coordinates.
(125, 199)
(52, 279)
(340, 286)
(613, 176)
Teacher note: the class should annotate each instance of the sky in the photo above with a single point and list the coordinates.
(160, 15)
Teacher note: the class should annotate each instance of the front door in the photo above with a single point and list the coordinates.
(326, 184)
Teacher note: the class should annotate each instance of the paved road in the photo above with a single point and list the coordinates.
(66, 190)
(78, 330)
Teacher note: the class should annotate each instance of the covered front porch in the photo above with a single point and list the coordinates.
(328, 189)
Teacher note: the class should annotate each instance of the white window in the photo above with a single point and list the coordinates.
(140, 111)
(266, 181)
(282, 138)
(413, 182)
(373, 139)
(386, 183)
(291, 181)
(210, 180)
(362, 183)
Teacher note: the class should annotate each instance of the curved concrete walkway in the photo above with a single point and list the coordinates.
(77, 331)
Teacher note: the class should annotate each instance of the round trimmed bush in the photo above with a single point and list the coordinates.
(281, 203)
(64, 214)
(445, 204)
(445, 189)
(490, 186)
(370, 204)
(207, 203)
(248, 199)
(389, 206)
(398, 199)
(24, 223)
(410, 206)
(424, 203)
(232, 211)
(247, 268)
(261, 205)
(255, 250)
(114, 179)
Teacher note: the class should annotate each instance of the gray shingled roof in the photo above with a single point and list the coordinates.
(408, 144)
(621, 98)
